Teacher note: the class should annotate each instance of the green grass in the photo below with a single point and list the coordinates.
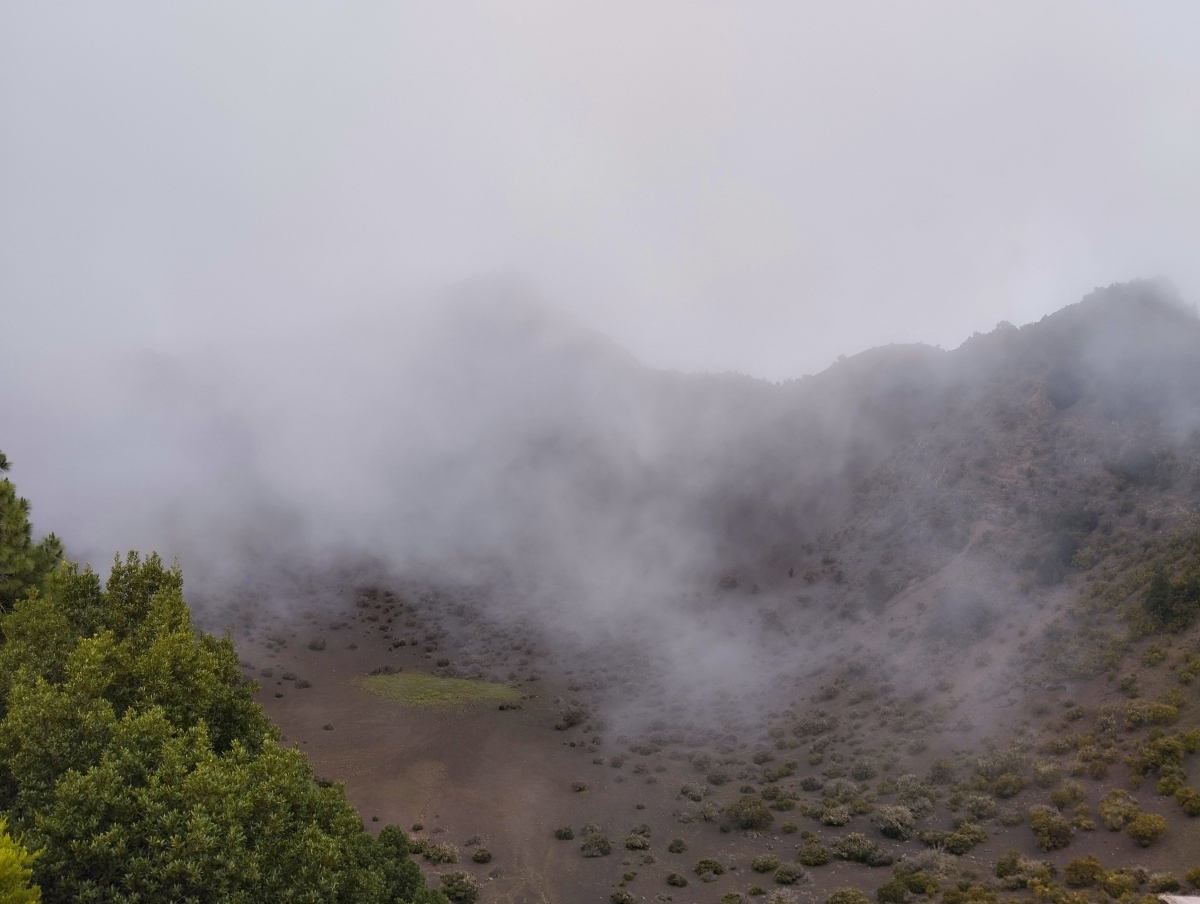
(421, 689)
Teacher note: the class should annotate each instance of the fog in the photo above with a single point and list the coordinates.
(283, 287)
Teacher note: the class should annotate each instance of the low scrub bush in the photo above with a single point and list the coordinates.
(789, 875)
(764, 863)
(461, 888)
(749, 813)
(814, 853)
(894, 821)
(847, 896)
(595, 845)
(1146, 828)
(1050, 830)
(859, 848)
(1117, 808)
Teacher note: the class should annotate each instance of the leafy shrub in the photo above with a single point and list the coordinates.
(621, 896)
(1193, 877)
(980, 806)
(1161, 883)
(1120, 882)
(1083, 871)
(1171, 605)
(814, 853)
(764, 863)
(1083, 819)
(1146, 828)
(1144, 712)
(836, 815)
(894, 821)
(1068, 793)
(1117, 808)
(637, 842)
(863, 770)
(462, 888)
(847, 896)
(941, 771)
(789, 828)
(859, 848)
(893, 892)
(789, 875)
(708, 865)
(1189, 801)
(318, 644)
(1050, 831)
(677, 880)
(483, 855)
(595, 845)
(677, 846)
(439, 852)
(564, 833)
(1046, 773)
(749, 813)
(1011, 760)
(1010, 784)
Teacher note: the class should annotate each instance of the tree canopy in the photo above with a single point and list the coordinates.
(135, 764)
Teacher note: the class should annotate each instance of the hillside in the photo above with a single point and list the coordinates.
(921, 626)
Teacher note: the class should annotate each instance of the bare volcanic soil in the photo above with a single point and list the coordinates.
(520, 793)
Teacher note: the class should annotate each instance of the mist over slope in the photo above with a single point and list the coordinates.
(488, 440)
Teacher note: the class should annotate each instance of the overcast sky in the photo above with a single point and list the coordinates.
(746, 186)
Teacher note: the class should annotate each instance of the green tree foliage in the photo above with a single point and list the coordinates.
(137, 766)
(16, 871)
(1172, 604)
(23, 563)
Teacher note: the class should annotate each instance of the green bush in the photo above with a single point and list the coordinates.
(1119, 883)
(847, 896)
(1117, 808)
(1193, 876)
(1082, 872)
(859, 848)
(677, 846)
(894, 821)
(482, 855)
(1010, 784)
(1163, 883)
(1146, 828)
(893, 892)
(749, 813)
(814, 853)
(788, 875)
(677, 880)
(462, 888)
(564, 833)
(1068, 793)
(595, 845)
(764, 863)
(637, 842)
(708, 865)
(1050, 831)
(1189, 801)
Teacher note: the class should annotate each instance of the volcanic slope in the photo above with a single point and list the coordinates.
(945, 616)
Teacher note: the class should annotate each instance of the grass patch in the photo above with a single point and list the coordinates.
(421, 689)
